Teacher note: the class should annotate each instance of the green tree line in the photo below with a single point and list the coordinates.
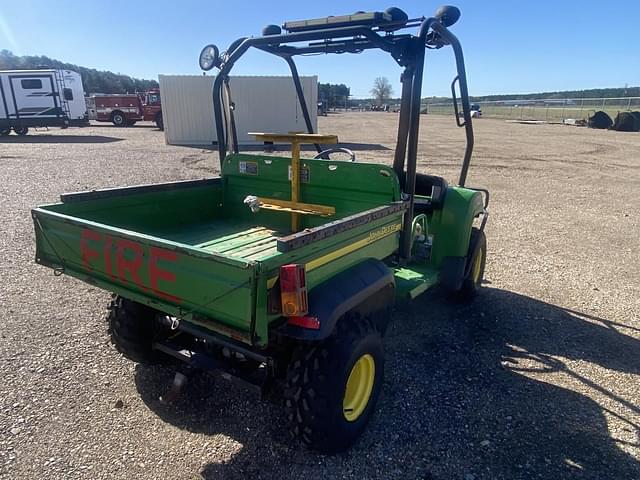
(590, 93)
(94, 81)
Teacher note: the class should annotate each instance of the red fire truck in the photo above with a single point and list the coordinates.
(124, 110)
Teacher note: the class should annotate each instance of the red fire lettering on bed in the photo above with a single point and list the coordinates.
(106, 251)
(86, 252)
(129, 262)
(155, 273)
(131, 266)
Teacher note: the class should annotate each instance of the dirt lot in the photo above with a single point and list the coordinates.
(539, 378)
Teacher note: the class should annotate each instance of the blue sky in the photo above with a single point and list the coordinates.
(510, 46)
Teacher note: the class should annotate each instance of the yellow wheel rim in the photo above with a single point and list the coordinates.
(477, 264)
(359, 387)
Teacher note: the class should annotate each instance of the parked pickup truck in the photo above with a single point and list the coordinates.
(283, 270)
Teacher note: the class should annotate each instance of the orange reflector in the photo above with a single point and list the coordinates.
(305, 322)
(293, 291)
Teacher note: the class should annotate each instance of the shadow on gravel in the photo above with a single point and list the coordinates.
(456, 401)
(59, 139)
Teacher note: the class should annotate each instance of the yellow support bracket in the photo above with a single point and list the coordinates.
(294, 206)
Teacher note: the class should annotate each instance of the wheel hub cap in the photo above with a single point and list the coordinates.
(359, 387)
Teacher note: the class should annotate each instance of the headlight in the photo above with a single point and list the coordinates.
(209, 57)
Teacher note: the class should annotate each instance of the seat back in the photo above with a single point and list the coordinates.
(432, 186)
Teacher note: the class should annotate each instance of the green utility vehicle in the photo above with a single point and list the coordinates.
(282, 271)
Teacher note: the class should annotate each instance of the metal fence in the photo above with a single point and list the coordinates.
(549, 110)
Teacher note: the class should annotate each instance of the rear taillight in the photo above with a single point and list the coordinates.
(293, 291)
(305, 322)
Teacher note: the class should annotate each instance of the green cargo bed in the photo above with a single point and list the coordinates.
(193, 249)
(238, 240)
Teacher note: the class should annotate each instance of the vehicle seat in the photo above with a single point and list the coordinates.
(429, 186)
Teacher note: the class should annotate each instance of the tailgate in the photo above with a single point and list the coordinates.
(178, 279)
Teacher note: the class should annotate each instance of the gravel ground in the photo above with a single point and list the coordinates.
(538, 378)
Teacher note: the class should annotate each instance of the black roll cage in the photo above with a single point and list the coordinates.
(406, 49)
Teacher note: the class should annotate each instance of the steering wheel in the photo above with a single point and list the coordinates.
(325, 154)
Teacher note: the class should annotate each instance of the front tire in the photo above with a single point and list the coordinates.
(5, 132)
(118, 119)
(332, 387)
(21, 130)
(473, 281)
(133, 327)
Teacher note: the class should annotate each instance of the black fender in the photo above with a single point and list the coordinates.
(365, 288)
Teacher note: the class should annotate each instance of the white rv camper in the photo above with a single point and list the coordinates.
(40, 98)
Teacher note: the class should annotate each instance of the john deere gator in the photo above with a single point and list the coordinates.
(283, 270)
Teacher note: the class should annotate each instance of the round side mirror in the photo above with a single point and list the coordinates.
(397, 15)
(271, 30)
(448, 15)
(398, 18)
(209, 57)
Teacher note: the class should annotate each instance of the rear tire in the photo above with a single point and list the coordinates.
(118, 119)
(332, 387)
(5, 132)
(133, 327)
(21, 130)
(473, 281)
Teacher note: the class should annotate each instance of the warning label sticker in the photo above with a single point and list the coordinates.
(248, 168)
(304, 174)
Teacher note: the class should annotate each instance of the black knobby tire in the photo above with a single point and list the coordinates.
(21, 130)
(473, 281)
(118, 119)
(159, 121)
(133, 327)
(4, 132)
(316, 385)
